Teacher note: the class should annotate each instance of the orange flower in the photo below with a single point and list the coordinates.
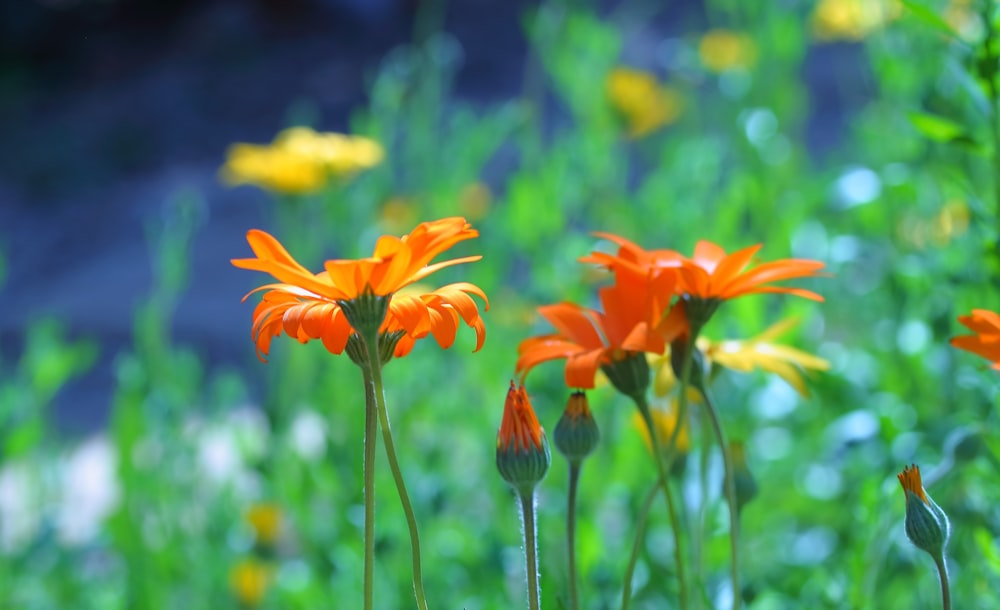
(986, 340)
(910, 480)
(309, 306)
(635, 319)
(711, 273)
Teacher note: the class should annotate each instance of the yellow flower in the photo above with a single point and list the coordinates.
(852, 19)
(761, 352)
(299, 160)
(722, 50)
(745, 355)
(645, 104)
(249, 580)
(265, 519)
(664, 421)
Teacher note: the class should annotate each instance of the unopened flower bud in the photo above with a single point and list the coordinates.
(523, 455)
(576, 435)
(926, 525)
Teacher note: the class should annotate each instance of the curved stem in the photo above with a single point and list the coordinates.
(574, 477)
(730, 487)
(390, 451)
(371, 422)
(530, 549)
(640, 529)
(942, 567)
(663, 468)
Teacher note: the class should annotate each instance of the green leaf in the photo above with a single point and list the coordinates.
(24, 438)
(930, 18)
(935, 127)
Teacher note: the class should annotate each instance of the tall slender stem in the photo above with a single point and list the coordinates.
(574, 478)
(663, 468)
(371, 422)
(994, 117)
(730, 487)
(640, 530)
(375, 366)
(530, 549)
(942, 567)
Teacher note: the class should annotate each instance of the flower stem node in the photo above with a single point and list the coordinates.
(576, 435)
(926, 524)
(523, 455)
(358, 354)
(629, 373)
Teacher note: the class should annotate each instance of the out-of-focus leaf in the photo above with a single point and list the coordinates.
(930, 18)
(23, 438)
(936, 127)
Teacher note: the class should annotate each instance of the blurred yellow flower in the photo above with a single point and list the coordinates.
(265, 519)
(745, 355)
(299, 160)
(664, 422)
(249, 580)
(397, 214)
(722, 50)
(474, 201)
(964, 18)
(645, 104)
(852, 19)
(951, 221)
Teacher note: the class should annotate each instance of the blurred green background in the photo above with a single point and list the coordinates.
(859, 133)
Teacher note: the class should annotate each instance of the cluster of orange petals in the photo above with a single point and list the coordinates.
(986, 340)
(711, 273)
(910, 480)
(637, 317)
(306, 306)
(637, 314)
(519, 427)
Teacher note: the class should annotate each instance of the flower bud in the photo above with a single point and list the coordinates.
(926, 525)
(576, 435)
(523, 455)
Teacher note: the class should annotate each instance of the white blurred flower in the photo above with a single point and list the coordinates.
(90, 491)
(20, 516)
(309, 435)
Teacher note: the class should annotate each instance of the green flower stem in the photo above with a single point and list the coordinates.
(730, 487)
(375, 368)
(371, 423)
(574, 478)
(530, 549)
(640, 530)
(663, 466)
(945, 586)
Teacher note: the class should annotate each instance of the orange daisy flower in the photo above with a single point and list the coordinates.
(711, 273)
(637, 318)
(986, 340)
(308, 306)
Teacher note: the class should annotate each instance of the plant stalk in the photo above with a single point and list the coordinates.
(640, 530)
(730, 487)
(375, 365)
(945, 585)
(574, 478)
(530, 549)
(663, 467)
(371, 423)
